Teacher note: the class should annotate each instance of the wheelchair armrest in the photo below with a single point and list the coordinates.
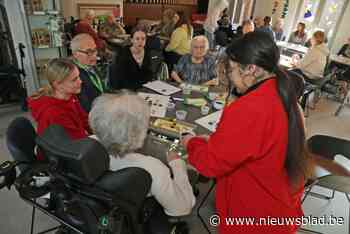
(130, 184)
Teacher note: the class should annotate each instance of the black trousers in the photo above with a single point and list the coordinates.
(171, 58)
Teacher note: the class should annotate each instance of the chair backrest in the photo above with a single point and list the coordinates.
(20, 140)
(328, 146)
(83, 160)
(156, 61)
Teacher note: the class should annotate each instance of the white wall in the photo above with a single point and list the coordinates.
(70, 7)
(343, 32)
(263, 8)
(20, 34)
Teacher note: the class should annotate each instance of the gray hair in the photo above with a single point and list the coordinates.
(76, 41)
(120, 121)
(201, 38)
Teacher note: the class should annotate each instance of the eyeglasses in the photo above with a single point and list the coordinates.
(89, 52)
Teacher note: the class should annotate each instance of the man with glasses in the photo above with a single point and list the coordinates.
(84, 57)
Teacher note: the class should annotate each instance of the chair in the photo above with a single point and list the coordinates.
(339, 87)
(325, 148)
(20, 140)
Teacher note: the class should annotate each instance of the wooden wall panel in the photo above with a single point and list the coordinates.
(131, 11)
(142, 11)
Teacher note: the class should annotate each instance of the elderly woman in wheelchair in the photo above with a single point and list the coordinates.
(94, 190)
(120, 122)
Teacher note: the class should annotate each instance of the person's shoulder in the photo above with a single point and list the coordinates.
(209, 59)
(186, 57)
(180, 29)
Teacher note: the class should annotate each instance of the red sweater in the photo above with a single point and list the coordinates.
(85, 27)
(66, 113)
(246, 155)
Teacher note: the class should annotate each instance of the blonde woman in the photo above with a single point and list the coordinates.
(315, 60)
(57, 103)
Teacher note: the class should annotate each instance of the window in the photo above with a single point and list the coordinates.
(330, 16)
(321, 15)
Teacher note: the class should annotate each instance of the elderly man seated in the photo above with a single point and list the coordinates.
(197, 67)
(84, 55)
(120, 122)
(111, 28)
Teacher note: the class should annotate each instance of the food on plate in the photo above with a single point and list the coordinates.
(172, 125)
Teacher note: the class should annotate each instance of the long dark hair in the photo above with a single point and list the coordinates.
(259, 49)
(183, 19)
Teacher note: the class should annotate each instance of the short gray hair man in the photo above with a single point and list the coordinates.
(120, 121)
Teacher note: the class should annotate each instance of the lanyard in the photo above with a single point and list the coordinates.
(92, 76)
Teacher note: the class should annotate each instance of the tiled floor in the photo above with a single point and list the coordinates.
(15, 214)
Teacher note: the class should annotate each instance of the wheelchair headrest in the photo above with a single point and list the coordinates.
(84, 160)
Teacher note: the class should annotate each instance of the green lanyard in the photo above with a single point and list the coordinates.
(92, 76)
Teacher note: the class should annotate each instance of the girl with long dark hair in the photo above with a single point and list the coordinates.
(257, 153)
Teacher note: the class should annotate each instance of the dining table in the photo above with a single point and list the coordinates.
(289, 49)
(157, 144)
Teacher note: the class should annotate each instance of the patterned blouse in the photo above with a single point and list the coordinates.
(195, 73)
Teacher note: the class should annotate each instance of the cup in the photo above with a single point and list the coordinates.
(186, 90)
(205, 110)
(181, 114)
(212, 96)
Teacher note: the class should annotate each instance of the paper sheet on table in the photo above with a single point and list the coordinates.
(162, 87)
(211, 121)
(158, 103)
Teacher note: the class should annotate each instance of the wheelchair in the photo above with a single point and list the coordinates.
(79, 190)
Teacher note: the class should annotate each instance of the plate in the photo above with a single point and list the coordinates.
(171, 127)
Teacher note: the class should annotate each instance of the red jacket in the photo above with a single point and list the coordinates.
(66, 113)
(246, 155)
(85, 27)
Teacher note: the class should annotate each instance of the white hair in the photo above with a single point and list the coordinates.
(76, 41)
(90, 13)
(120, 121)
(200, 38)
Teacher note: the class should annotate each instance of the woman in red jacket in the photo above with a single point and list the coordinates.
(57, 103)
(257, 152)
